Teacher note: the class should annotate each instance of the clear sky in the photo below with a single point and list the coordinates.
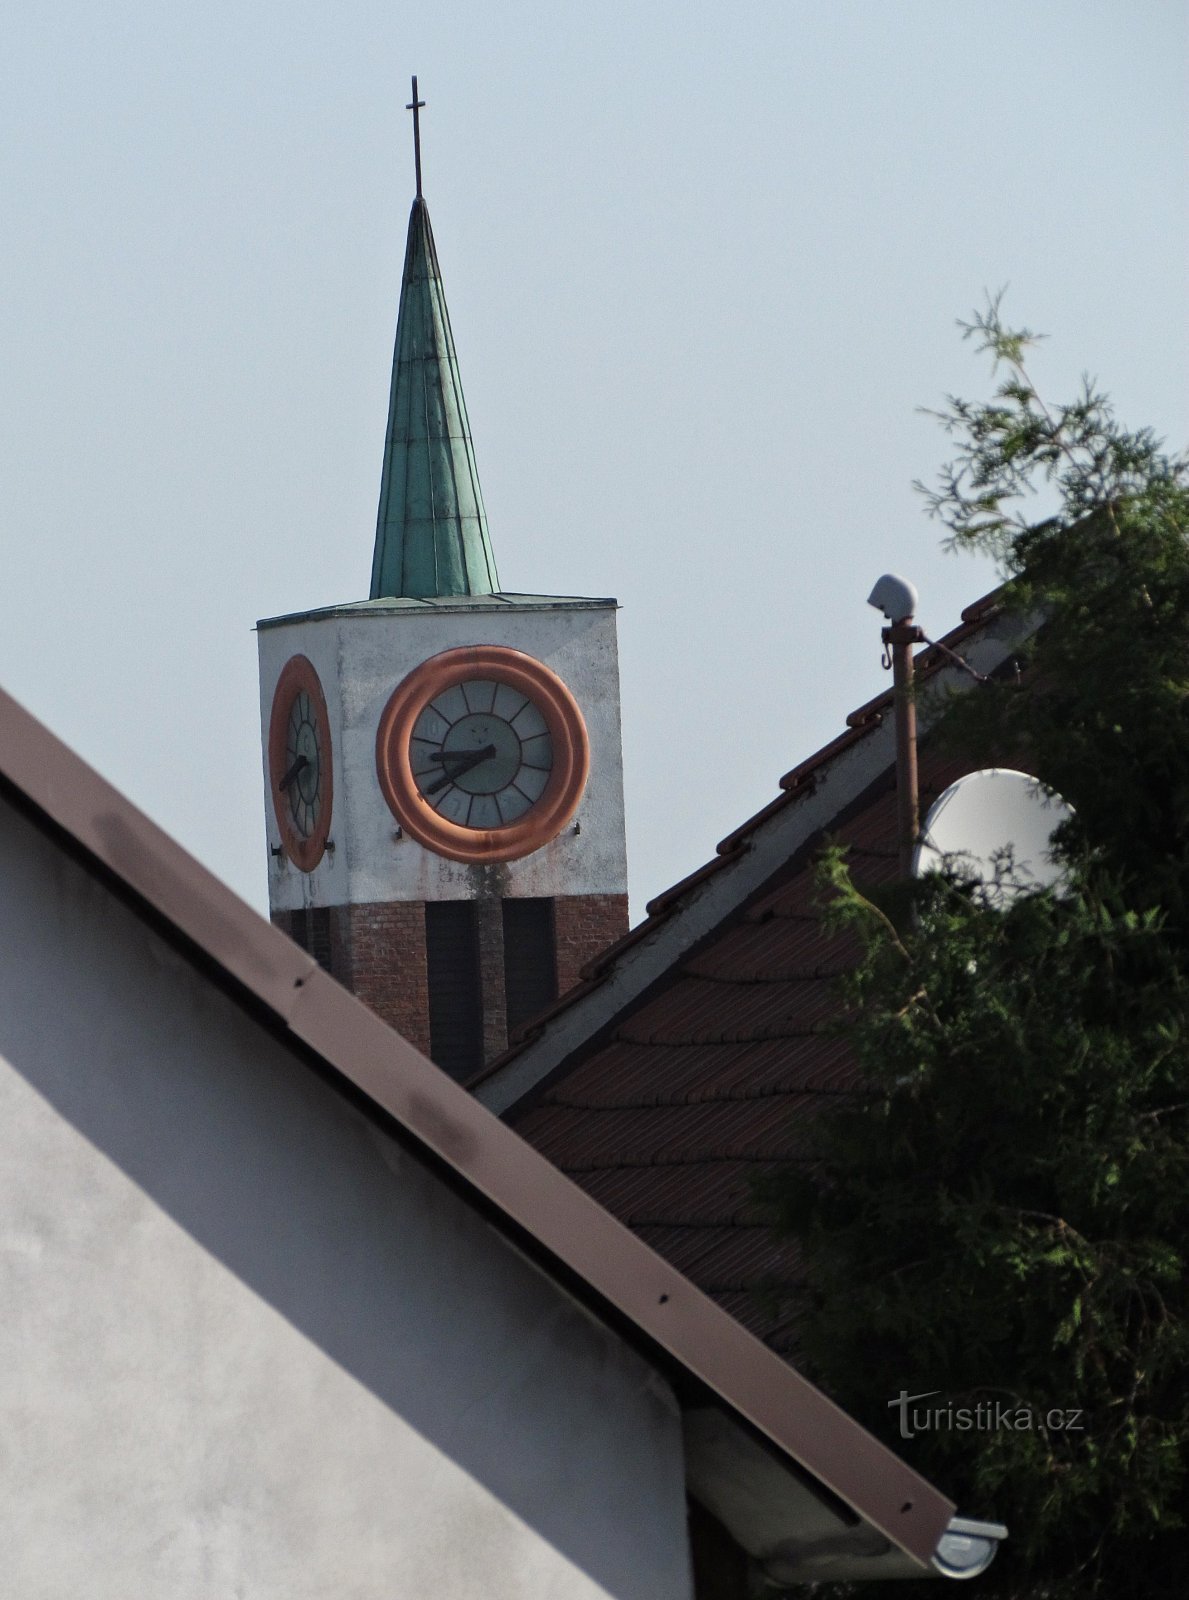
(703, 264)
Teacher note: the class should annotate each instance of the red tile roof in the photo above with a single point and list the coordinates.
(709, 1083)
(674, 1107)
(793, 786)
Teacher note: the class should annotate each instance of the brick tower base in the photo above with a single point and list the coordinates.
(379, 952)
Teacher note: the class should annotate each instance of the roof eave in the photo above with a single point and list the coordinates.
(591, 1253)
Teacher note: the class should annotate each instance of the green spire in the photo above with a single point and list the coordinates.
(431, 532)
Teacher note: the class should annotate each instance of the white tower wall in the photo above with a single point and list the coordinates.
(361, 654)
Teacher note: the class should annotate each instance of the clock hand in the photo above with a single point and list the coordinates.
(465, 759)
(468, 757)
(294, 772)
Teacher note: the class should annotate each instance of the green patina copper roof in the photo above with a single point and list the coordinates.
(431, 532)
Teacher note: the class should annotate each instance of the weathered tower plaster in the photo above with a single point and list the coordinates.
(361, 653)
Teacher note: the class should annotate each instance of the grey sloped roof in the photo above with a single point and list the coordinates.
(824, 1489)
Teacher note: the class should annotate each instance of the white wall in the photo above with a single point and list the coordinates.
(361, 657)
(249, 1347)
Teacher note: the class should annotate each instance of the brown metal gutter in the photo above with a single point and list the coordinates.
(521, 1188)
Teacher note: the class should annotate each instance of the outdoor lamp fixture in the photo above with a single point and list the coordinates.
(967, 1548)
(897, 599)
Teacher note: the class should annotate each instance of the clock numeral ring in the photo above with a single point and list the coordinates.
(403, 765)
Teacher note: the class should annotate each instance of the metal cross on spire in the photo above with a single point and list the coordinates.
(415, 106)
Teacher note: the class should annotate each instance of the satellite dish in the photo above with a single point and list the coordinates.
(994, 827)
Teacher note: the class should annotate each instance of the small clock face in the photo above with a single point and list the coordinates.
(301, 782)
(482, 754)
(300, 774)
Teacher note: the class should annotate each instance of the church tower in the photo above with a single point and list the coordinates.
(442, 760)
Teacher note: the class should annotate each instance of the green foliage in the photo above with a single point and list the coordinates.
(1003, 1215)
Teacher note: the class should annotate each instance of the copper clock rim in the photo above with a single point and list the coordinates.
(567, 780)
(300, 673)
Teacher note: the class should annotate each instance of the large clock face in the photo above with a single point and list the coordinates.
(482, 754)
(300, 774)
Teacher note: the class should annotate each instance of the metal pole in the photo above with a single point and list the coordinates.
(900, 639)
